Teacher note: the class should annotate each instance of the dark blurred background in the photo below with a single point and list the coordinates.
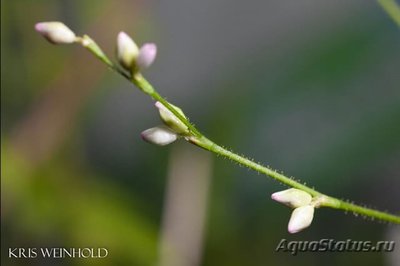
(308, 87)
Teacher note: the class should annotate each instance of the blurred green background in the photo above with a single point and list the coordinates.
(308, 87)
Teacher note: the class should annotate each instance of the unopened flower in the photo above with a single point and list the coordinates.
(301, 218)
(147, 54)
(56, 32)
(127, 51)
(171, 120)
(292, 197)
(160, 135)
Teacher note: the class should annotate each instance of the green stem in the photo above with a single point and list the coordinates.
(199, 140)
(357, 209)
(92, 46)
(392, 9)
(136, 78)
(207, 144)
(147, 88)
(196, 138)
(322, 200)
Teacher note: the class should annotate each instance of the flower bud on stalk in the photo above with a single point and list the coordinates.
(171, 120)
(292, 197)
(160, 135)
(127, 51)
(147, 55)
(301, 218)
(56, 32)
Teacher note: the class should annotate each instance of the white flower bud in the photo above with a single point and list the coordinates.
(147, 54)
(171, 120)
(301, 218)
(160, 135)
(292, 197)
(127, 51)
(55, 32)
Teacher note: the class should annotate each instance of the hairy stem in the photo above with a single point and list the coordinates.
(323, 200)
(198, 139)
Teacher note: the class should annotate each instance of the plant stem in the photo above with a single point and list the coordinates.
(366, 212)
(323, 200)
(92, 46)
(207, 144)
(392, 9)
(198, 139)
(147, 88)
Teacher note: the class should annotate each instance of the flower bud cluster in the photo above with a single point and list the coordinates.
(131, 57)
(303, 212)
(169, 132)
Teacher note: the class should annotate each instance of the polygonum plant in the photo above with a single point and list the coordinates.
(132, 60)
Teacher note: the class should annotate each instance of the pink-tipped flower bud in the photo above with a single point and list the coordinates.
(171, 120)
(147, 55)
(301, 218)
(160, 135)
(292, 197)
(56, 32)
(127, 51)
